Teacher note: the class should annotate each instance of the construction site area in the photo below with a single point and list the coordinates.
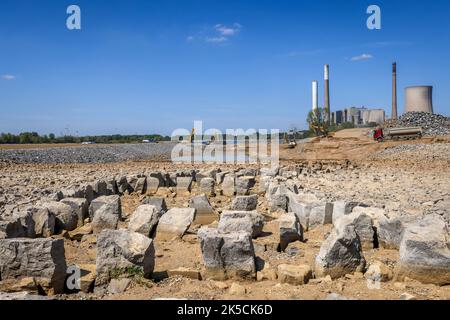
(360, 213)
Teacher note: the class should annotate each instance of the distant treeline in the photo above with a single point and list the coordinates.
(35, 138)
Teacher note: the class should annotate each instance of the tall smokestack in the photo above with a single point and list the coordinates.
(394, 91)
(327, 91)
(315, 95)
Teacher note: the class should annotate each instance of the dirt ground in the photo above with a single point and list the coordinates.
(350, 144)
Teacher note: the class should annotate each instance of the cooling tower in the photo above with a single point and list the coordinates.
(419, 99)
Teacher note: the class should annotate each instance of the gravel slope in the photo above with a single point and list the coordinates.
(91, 154)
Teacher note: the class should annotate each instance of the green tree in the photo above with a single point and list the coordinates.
(317, 123)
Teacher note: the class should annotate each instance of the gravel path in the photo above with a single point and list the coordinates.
(91, 154)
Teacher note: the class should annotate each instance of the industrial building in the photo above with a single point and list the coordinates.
(358, 116)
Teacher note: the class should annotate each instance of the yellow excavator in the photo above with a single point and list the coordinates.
(290, 140)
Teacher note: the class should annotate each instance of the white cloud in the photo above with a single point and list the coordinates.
(8, 77)
(228, 31)
(216, 39)
(364, 56)
(190, 38)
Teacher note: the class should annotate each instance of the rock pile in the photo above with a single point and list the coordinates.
(270, 211)
(432, 124)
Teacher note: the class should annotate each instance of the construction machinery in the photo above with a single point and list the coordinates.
(290, 140)
(408, 133)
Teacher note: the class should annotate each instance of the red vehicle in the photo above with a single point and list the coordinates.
(378, 135)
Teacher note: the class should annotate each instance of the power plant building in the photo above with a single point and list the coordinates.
(359, 116)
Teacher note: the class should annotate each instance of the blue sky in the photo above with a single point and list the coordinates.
(153, 66)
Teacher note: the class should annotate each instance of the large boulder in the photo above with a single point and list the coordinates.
(207, 186)
(204, 174)
(245, 203)
(42, 259)
(119, 251)
(237, 221)
(390, 231)
(227, 256)
(321, 214)
(153, 184)
(174, 223)
(122, 186)
(144, 220)
(105, 217)
(204, 211)
(11, 228)
(244, 184)
(425, 251)
(228, 185)
(184, 184)
(340, 254)
(276, 196)
(26, 219)
(80, 206)
(310, 210)
(290, 230)
(112, 187)
(269, 172)
(100, 188)
(342, 208)
(158, 203)
(65, 217)
(113, 200)
(141, 185)
(44, 222)
(364, 228)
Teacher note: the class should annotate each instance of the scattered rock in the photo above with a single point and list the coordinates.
(227, 255)
(378, 272)
(144, 220)
(44, 222)
(341, 253)
(185, 272)
(245, 203)
(247, 221)
(65, 217)
(117, 286)
(425, 252)
(80, 232)
(42, 259)
(119, 251)
(175, 223)
(294, 274)
(80, 206)
(363, 226)
(237, 290)
(244, 184)
(207, 186)
(158, 203)
(407, 296)
(105, 217)
(184, 184)
(290, 230)
(113, 201)
(204, 211)
(228, 185)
